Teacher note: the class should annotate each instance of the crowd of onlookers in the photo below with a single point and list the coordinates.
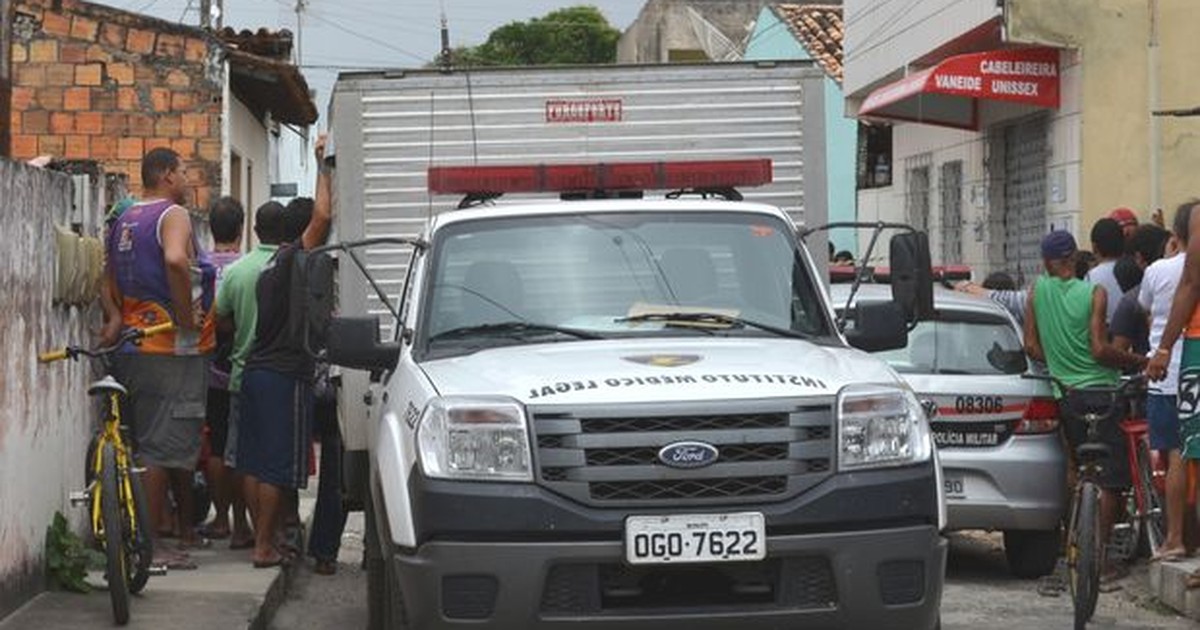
(231, 391)
(1122, 308)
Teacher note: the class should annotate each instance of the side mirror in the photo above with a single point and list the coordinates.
(354, 343)
(878, 326)
(912, 275)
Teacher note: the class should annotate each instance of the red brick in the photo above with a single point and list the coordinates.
(169, 46)
(96, 52)
(43, 51)
(160, 99)
(122, 73)
(73, 52)
(56, 24)
(112, 35)
(144, 74)
(181, 101)
(167, 126)
(203, 196)
(20, 53)
(78, 148)
(89, 74)
(209, 149)
(104, 148)
(60, 74)
(130, 148)
(62, 123)
(89, 123)
(36, 123)
(185, 148)
(50, 98)
(51, 145)
(31, 75)
(194, 125)
(14, 120)
(104, 100)
(157, 143)
(116, 125)
(77, 99)
(22, 98)
(195, 50)
(84, 28)
(141, 125)
(139, 42)
(178, 79)
(24, 147)
(127, 99)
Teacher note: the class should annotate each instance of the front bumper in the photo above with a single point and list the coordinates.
(884, 578)
(1018, 486)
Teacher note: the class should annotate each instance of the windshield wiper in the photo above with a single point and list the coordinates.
(513, 328)
(705, 321)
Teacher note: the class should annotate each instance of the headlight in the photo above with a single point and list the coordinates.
(880, 426)
(475, 438)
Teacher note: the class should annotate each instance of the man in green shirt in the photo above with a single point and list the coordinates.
(237, 311)
(1065, 329)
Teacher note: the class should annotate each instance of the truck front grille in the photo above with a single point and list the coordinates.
(609, 456)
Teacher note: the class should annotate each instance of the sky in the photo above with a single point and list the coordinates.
(368, 34)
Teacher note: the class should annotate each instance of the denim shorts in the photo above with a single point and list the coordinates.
(1163, 420)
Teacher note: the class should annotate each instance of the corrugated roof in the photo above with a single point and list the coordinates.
(818, 27)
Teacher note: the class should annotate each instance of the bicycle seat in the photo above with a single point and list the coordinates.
(1093, 451)
(106, 384)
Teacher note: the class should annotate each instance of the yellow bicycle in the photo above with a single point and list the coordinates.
(119, 513)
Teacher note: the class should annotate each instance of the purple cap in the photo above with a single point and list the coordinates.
(1057, 245)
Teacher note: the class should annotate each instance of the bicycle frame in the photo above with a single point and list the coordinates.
(110, 433)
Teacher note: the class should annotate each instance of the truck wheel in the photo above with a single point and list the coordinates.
(396, 612)
(1031, 554)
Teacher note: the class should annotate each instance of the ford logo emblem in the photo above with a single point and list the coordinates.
(688, 455)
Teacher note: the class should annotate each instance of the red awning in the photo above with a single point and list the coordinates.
(948, 94)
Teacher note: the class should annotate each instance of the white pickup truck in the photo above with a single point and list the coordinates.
(638, 413)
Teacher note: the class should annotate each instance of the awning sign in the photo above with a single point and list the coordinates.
(948, 93)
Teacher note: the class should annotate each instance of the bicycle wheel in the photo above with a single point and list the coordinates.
(1152, 511)
(140, 544)
(1085, 554)
(114, 536)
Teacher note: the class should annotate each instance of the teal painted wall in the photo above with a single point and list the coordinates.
(773, 40)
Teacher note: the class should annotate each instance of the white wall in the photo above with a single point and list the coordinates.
(248, 138)
(883, 36)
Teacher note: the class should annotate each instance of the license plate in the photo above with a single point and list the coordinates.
(954, 486)
(695, 538)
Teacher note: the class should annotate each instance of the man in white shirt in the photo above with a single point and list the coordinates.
(1157, 292)
(1108, 243)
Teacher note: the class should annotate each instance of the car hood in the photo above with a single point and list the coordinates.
(657, 370)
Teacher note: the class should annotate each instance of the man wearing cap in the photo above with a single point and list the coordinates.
(1127, 219)
(1064, 328)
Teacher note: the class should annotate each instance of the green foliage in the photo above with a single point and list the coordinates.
(575, 35)
(67, 558)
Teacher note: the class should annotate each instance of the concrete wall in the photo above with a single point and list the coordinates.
(773, 40)
(45, 414)
(665, 25)
(884, 35)
(1120, 75)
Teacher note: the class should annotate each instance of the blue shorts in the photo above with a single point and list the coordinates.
(1163, 420)
(274, 427)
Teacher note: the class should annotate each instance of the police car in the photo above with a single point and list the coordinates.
(997, 433)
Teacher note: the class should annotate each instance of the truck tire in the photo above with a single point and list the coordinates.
(1031, 554)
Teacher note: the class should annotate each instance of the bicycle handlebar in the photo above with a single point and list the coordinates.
(129, 335)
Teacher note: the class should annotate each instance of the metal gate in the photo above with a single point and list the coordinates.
(952, 221)
(1018, 213)
(917, 187)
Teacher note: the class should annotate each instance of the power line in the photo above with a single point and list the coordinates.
(349, 31)
(185, 11)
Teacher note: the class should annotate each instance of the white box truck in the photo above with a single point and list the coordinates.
(568, 404)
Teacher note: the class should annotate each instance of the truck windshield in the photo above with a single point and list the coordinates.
(551, 278)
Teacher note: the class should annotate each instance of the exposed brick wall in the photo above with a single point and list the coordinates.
(92, 82)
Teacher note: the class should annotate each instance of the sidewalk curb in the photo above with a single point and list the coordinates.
(274, 597)
(1168, 583)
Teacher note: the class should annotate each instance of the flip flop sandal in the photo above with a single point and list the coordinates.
(176, 563)
(1171, 555)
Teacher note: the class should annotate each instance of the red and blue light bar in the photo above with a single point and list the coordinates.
(577, 178)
